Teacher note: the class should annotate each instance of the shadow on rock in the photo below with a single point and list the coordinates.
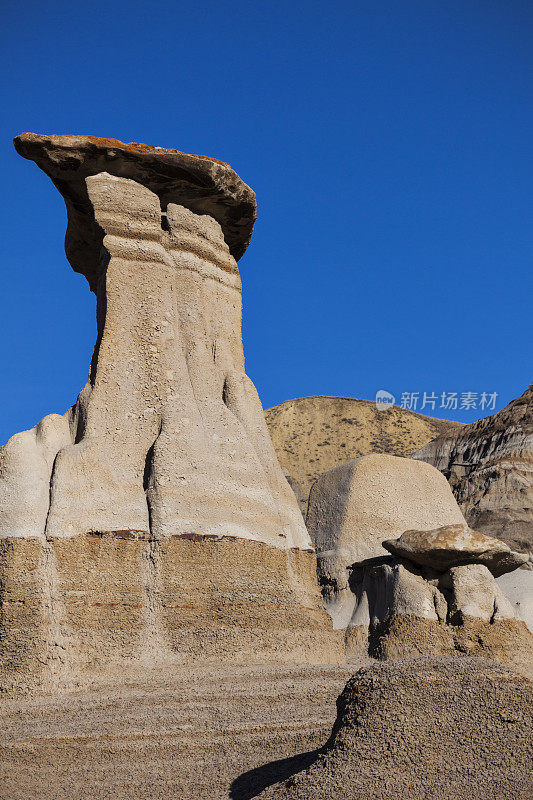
(252, 783)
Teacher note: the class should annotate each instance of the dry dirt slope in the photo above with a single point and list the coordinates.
(190, 734)
(314, 434)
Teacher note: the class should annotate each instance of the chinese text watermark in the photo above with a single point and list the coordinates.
(452, 401)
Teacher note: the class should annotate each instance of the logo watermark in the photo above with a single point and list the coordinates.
(452, 401)
(384, 400)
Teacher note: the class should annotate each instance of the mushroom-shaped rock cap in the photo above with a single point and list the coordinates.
(455, 546)
(202, 184)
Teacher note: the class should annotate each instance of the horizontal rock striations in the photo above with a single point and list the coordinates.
(156, 506)
(489, 464)
(204, 185)
(185, 734)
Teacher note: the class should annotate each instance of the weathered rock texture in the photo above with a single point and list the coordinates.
(436, 594)
(455, 546)
(356, 506)
(489, 464)
(424, 729)
(312, 435)
(156, 506)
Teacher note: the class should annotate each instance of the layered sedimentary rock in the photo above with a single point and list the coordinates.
(156, 507)
(356, 506)
(424, 728)
(185, 734)
(489, 464)
(312, 435)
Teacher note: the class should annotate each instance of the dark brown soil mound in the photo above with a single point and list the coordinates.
(424, 729)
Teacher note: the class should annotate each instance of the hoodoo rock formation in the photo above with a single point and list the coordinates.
(437, 593)
(403, 609)
(357, 505)
(153, 520)
(456, 546)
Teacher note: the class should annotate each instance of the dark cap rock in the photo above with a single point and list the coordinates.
(202, 184)
(455, 546)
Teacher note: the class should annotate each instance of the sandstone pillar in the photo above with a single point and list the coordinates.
(167, 444)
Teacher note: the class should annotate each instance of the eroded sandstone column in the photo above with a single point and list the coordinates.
(167, 444)
(169, 433)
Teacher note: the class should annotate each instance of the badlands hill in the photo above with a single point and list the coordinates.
(314, 434)
(489, 464)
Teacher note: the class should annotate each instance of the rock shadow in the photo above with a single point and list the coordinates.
(252, 783)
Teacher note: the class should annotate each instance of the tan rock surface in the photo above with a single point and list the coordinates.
(517, 586)
(424, 728)
(397, 612)
(205, 185)
(489, 464)
(26, 463)
(455, 546)
(312, 435)
(166, 449)
(410, 603)
(475, 593)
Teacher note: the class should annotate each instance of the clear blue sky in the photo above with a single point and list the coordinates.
(389, 145)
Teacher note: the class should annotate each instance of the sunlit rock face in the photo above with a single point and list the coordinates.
(418, 728)
(356, 506)
(166, 447)
(456, 546)
(167, 435)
